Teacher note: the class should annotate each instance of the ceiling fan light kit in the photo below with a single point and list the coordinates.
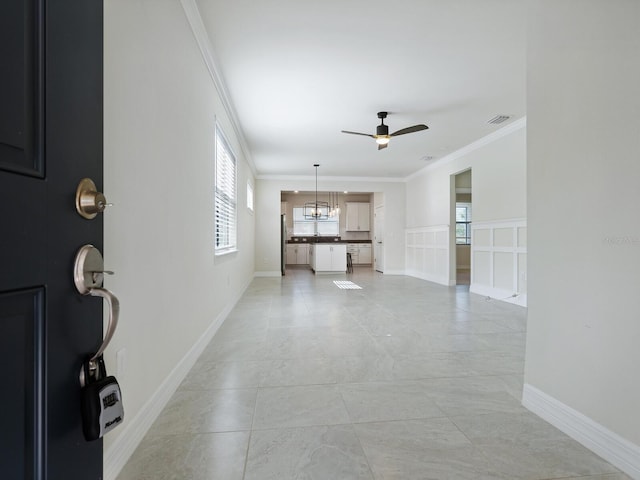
(382, 136)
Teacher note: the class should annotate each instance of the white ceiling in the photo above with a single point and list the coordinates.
(299, 71)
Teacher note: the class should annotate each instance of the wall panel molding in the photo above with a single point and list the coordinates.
(498, 260)
(427, 253)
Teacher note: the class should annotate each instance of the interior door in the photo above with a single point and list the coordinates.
(378, 239)
(50, 138)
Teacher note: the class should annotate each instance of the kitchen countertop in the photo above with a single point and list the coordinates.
(324, 240)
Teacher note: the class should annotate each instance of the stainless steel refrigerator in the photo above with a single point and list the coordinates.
(283, 242)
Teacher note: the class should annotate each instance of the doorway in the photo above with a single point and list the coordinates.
(463, 212)
(378, 226)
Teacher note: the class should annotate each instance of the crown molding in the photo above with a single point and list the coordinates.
(204, 43)
(332, 179)
(194, 19)
(492, 137)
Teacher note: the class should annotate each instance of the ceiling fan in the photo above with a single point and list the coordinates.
(382, 136)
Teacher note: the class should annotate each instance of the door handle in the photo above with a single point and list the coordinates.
(114, 313)
(88, 276)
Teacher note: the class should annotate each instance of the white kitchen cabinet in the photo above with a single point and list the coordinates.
(354, 251)
(360, 253)
(302, 254)
(329, 258)
(297, 254)
(364, 254)
(291, 254)
(357, 217)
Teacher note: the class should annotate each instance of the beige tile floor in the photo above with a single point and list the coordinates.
(403, 379)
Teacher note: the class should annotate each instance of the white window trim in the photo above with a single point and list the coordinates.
(220, 138)
(250, 205)
(467, 205)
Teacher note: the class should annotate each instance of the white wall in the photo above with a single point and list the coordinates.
(498, 167)
(268, 190)
(498, 174)
(160, 109)
(584, 231)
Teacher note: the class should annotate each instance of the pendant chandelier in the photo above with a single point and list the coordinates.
(335, 204)
(337, 209)
(317, 210)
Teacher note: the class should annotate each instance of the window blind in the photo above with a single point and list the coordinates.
(325, 226)
(225, 195)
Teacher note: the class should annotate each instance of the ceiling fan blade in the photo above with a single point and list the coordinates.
(385, 145)
(357, 133)
(414, 128)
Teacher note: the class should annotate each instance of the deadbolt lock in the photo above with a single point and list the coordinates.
(89, 202)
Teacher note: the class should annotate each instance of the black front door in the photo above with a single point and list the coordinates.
(50, 138)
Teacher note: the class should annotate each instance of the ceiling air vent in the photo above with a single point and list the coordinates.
(499, 119)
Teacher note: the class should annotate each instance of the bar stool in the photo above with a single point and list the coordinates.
(349, 263)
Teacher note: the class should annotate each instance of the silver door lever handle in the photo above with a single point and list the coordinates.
(114, 312)
(99, 274)
(88, 275)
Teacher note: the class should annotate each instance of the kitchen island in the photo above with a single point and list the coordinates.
(328, 258)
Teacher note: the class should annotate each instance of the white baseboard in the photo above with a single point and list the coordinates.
(499, 294)
(136, 428)
(609, 445)
(274, 273)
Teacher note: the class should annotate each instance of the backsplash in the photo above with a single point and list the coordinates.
(355, 235)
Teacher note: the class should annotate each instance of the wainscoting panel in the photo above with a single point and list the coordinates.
(499, 260)
(427, 253)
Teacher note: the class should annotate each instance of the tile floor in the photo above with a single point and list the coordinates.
(404, 379)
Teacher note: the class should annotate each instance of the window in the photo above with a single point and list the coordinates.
(225, 196)
(302, 226)
(463, 223)
(249, 196)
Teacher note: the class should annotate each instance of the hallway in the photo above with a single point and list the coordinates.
(402, 379)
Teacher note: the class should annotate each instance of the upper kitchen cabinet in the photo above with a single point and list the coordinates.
(357, 217)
